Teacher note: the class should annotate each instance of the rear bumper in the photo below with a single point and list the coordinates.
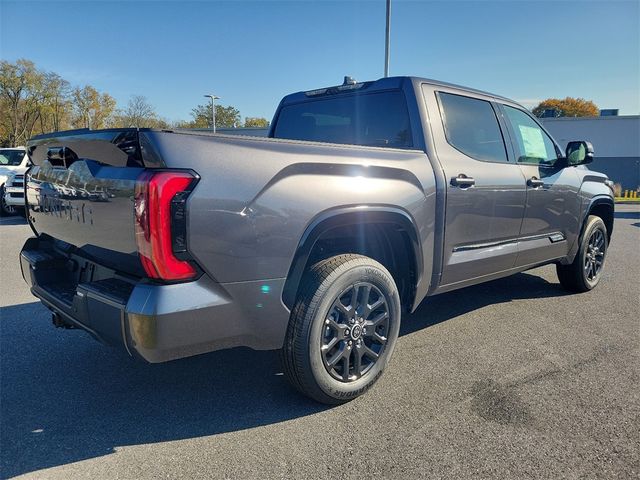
(161, 322)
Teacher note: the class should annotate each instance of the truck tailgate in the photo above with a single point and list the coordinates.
(80, 191)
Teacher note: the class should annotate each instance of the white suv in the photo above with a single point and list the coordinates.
(13, 164)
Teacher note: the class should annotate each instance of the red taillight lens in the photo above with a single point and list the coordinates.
(153, 196)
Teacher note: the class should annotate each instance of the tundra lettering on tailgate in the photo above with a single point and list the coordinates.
(65, 209)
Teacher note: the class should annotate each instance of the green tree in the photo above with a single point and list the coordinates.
(21, 86)
(92, 109)
(226, 117)
(256, 122)
(55, 105)
(569, 107)
(139, 113)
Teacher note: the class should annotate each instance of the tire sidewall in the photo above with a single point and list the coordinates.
(5, 210)
(333, 286)
(594, 223)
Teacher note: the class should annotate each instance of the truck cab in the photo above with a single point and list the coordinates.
(507, 197)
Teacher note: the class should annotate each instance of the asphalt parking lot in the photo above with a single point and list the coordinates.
(510, 379)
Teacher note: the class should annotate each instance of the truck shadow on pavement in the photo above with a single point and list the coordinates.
(629, 215)
(13, 220)
(66, 398)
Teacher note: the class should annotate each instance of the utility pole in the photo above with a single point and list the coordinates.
(387, 40)
(213, 111)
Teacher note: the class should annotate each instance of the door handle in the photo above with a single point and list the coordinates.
(535, 182)
(463, 181)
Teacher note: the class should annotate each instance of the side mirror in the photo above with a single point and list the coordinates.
(579, 153)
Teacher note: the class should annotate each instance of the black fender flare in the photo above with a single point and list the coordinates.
(594, 202)
(344, 216)
(597, 201)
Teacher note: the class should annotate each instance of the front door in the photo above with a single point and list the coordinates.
(485, 190)
(551, 219)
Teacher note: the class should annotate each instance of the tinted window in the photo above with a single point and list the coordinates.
(376, 119)
(11, 157)
(533, 145)
(472, 127)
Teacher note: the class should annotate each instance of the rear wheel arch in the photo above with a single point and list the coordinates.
(386, 234)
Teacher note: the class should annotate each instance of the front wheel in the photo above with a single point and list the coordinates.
(342, 329)
(586, 270)
(5, 210)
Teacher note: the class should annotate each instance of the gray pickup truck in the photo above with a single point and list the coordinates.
(367, 198)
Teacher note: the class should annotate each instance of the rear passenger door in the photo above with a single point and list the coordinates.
(486, 190)
(551, 218)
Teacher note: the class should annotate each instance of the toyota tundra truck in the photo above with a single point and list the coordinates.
(367, 198)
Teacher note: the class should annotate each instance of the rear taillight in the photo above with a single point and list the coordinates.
(161, 226)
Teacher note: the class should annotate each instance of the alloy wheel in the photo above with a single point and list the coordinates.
(355, 332)
(594, 255)
(6, 209)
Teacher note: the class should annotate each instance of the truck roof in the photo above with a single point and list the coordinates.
(384, 84)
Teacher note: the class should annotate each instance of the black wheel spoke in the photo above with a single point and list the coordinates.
(378, 320)
(370, 353)
(365, 296)
(346, 363)
(336, 357)
(376, 337)
(339, 328)
(343, 309)
(357, 362)
(332, 343)
(373, 307)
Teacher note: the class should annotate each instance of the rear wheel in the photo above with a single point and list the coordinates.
(343, 329)
(586, 270)
(5, 210)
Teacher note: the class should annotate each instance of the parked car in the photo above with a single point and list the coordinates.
(367, 198)
(14, 193)
(13, 163)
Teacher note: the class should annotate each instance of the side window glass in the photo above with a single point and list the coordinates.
(471, 126)
(533, 145)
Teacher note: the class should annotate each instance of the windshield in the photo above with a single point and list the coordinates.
(376, 119)
(11, 158)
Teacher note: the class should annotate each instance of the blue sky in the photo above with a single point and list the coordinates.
(251, 53)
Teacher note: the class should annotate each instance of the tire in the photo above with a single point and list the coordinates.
(586, 270)
(5, 210)
(322, 328)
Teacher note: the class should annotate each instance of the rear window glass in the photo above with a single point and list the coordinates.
(374, 119)
(471, 126)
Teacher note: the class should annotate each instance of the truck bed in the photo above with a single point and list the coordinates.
(81, 191)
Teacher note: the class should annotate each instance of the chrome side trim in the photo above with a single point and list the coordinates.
(553, 238)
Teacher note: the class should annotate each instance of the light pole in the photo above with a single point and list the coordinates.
(386, 40)
(213, 110)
